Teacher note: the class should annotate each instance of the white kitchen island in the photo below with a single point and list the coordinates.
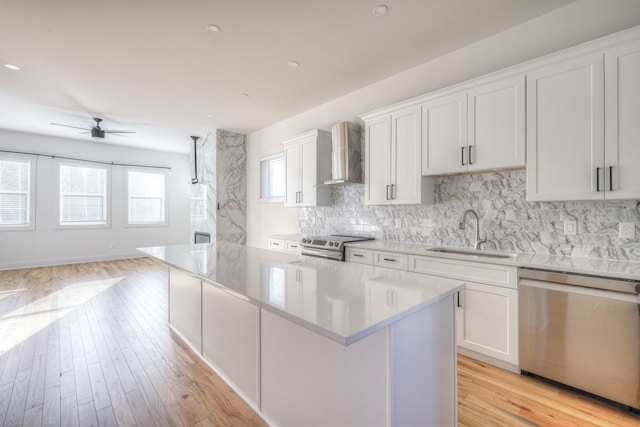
(311, 342)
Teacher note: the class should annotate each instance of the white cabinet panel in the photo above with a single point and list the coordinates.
(565, 130)
(393, 159)
(307, 165)
(306, 377)
(406, 178)
(377, 160)
(390, 260)
(497, 125)
(622, 107)
(444, 135)
(487, 321)
(361, 256)
(185, 306)
(498, 275)
(292, 173)
(230, 339)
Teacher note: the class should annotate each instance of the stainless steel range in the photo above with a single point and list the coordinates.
(330, 247)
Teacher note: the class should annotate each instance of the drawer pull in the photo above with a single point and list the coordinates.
(276, 244)
(389, 259)
(358, 255)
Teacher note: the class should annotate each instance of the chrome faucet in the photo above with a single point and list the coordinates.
(478, 241)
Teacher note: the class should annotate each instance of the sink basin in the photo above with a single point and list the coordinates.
(471, 252)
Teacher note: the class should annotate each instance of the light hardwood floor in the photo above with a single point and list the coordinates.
(88, 344)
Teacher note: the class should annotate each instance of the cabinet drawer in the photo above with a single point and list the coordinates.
(362, 256)
(390, 260)
(498, 275)
(276, 244)
(292, 246)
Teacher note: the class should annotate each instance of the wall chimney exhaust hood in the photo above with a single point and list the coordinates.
(346, 149)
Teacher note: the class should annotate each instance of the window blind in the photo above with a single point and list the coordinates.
(146, 197)
(83, 195)
(272, 177)
(14, 192)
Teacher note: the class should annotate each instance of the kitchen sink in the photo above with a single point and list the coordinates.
(472, 252)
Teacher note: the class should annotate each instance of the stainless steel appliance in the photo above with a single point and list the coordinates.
(346, 149)
(582, 331)
(330, 247)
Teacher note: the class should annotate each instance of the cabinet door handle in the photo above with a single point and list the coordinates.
(610, 178)
(393, 191)
(462, 156)
(469, 155)
(459, 303)
(300, 197)
(388, 192)
(597, 179)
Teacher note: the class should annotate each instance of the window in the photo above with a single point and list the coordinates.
(83, 195)
(272, 177)
(17, 177)
(146, 198)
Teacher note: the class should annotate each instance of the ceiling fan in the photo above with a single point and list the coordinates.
(97, 131)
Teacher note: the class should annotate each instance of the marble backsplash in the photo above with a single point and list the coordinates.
(507, 220)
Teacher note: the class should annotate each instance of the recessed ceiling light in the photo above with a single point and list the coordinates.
(245, 95)
(293, 64)
(380, 10)
(12, 67)
(213, 28)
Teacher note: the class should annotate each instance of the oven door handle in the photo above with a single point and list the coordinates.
(323, 253)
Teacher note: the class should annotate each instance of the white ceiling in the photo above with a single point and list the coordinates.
(152, 66)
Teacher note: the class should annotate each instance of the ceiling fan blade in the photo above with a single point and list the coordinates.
(120, 131)
(69, 126)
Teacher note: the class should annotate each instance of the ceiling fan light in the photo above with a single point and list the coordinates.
(97, 133)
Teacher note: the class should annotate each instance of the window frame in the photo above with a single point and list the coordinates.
(86, 225)
(127, 222)
(279, 199)
(31, 193)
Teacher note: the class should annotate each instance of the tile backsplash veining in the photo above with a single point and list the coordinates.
(507, 220)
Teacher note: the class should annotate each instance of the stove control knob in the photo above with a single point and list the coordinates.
(330, 243)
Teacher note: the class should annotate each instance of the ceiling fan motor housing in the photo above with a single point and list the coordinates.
(97, 133)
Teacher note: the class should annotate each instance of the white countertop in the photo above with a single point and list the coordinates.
(342, 301)
(591, 266)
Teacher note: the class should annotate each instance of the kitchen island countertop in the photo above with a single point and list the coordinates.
(345, 302)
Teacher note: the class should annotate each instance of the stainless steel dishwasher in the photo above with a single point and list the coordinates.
(582, 331)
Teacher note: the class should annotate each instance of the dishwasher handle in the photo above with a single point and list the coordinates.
(581, 280)
(581, 290)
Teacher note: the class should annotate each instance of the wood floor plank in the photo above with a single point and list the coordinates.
(18, 400)
(74, 357)
(51, 407)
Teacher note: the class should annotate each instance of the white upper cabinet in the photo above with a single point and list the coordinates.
(583, 127)
(444, 135)
(622, 122)
(393, 158)
(482, 128)
(307, 165)
(565, 130)
(496, 125)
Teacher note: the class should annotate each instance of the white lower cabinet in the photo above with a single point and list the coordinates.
(487, 321)
(185, 296)
(487, 309)
(231, 340)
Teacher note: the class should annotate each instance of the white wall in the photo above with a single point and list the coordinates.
(575, 23)
(47, 245)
